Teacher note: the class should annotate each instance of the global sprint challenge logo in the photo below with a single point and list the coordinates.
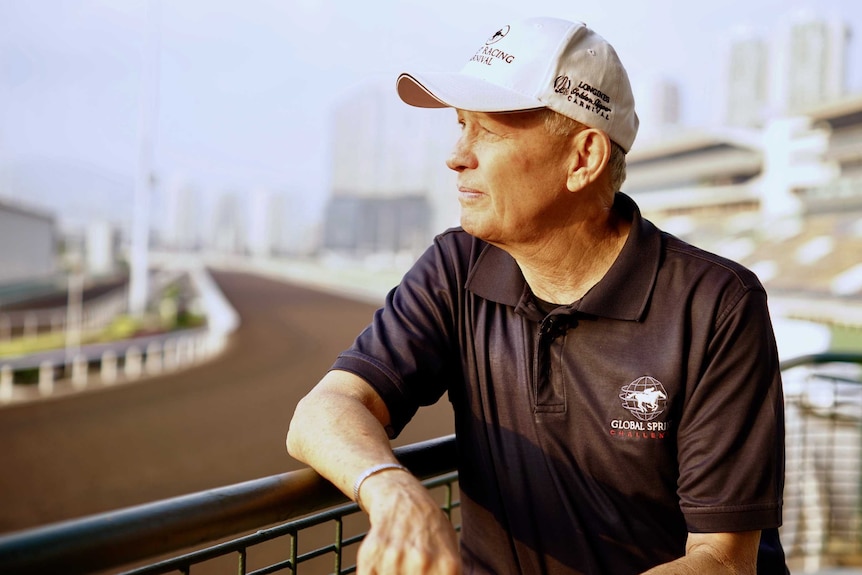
(645, 398)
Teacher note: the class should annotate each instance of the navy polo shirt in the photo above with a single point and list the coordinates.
(594, 436)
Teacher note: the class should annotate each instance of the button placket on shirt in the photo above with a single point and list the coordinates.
(550, 395)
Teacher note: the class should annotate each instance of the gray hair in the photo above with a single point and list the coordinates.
(559, 125)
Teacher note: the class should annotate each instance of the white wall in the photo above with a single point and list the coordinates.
(27, 246)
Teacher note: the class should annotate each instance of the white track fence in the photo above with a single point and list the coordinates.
(125, 361)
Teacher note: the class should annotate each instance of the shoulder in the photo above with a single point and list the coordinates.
(694, 262)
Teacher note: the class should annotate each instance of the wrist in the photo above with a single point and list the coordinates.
(369, 472)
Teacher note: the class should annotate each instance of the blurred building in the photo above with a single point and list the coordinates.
(390, 191)
(838, 143)
(658, 105)
(815, 63)
(266, 220)
(28, 244)
(101, 248)
(785, 200)
(747, 76)
(228, 232)
(182, 217)
(800, 64)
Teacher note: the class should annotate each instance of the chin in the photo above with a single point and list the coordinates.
(477, 231)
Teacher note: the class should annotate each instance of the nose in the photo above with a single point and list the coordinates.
(462, 156)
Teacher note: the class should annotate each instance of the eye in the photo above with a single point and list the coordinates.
(488, 130)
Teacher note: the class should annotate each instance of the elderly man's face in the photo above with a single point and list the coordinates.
(511, 177)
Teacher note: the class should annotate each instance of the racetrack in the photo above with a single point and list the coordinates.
(215, 424)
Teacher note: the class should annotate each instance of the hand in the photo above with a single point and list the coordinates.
(410, 534)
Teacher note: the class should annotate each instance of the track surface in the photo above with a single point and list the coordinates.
(219, 423)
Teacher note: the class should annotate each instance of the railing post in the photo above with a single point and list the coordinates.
(6, 383)
(183, 351)
(169, 355)
(339, 544)
(201, 352)
(109, 367)
(46, 378)
(80, 368)
(132, 364)
(153, 363)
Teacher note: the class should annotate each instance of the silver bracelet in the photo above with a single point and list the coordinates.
(357, 485)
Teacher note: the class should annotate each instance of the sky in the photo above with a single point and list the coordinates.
(240, 92)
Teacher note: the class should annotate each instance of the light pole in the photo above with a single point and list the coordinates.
(145, 181)
(74, 314)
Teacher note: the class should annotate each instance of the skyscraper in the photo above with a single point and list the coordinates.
(658, 105)
(801, 63)
(816, 62)
(747, 94)
(229, 224)
(181, 216)
(387, 173)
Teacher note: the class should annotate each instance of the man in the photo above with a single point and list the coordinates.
(616, 392)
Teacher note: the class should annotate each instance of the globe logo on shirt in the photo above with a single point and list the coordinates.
(645, 398)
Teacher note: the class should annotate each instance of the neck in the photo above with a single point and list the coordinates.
(563, 266)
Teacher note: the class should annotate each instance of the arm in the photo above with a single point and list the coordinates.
(715, 554)
(339, 430)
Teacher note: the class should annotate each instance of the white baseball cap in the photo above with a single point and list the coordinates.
(537, 63)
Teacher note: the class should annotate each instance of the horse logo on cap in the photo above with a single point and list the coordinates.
(498, 35)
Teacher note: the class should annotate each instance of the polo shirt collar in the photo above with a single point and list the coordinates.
(623, 293)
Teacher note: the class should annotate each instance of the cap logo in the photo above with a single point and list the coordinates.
(538, 62)
(585, 96)
(487, 55)
(562, 85)
(498, 35)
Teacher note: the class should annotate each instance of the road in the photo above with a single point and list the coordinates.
(215, 424)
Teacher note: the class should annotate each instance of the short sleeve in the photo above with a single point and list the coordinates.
(407, 352)
(731, 433)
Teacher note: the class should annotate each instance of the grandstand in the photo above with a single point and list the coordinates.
(785, 201)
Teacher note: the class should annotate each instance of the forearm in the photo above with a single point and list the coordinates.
(715, 554)
(697, 564)
(337, 430)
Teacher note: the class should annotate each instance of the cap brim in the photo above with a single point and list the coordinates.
(462, 92)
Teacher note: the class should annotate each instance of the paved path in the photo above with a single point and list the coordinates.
(215, 424)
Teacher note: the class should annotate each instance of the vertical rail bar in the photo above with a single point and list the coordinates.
(448, 502)
(243, 555)
(339, 540)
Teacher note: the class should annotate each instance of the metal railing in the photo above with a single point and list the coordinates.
(823, 481)
(823, 500)
(121, 538)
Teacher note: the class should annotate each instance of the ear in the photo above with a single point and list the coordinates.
(591, 151)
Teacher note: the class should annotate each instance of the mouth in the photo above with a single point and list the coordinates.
(465, 193)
